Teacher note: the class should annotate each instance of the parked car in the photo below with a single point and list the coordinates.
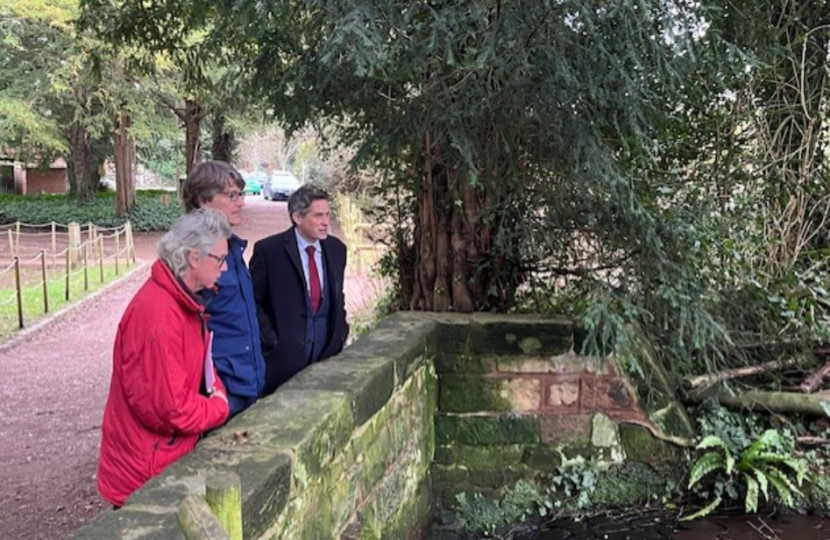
(280, 186)
(252, 187)
(254, 182)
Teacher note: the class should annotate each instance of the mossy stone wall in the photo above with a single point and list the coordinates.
(358, 446)
(515, 400)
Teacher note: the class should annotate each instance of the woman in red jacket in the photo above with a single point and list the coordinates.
(159, 402)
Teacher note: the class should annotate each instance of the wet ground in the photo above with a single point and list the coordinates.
(659, 525)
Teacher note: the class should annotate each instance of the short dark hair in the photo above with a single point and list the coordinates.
(206, 180)
(300, 201)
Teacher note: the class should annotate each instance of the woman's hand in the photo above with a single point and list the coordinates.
(220, 394)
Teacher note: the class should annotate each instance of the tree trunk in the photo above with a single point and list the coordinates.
(463, 246)
(224, 139)
(445, 243)
(192, 118)
(83, 184)
(124, 150)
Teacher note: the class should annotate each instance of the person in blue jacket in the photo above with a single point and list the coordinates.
(237, 351)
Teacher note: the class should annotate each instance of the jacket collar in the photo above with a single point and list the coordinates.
(161, 274)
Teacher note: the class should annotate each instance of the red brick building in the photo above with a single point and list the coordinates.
(24, 179)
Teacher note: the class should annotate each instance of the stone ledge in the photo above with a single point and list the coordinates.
(265, 476)
(132, 524)
(369, 382)
(312, 425)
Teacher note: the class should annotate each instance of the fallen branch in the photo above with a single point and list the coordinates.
(777, 402)
(814, 381)
(704, 381)
(812, 441)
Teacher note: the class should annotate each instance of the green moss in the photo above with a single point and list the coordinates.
(411, 516)
(542, 457)
(368, 533)
(487, 430)
(530, 345)
(522, 337)
(450, 474)
(586, 452)
(324, 442)
(817, 493)
(459, 363)
(467, 430)
(459, 393)
(478, 458)
(673, 420)
(318, 521)
(520, 428)
(630, 484)
(641, 446)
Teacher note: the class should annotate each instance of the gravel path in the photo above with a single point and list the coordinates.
(55, 385)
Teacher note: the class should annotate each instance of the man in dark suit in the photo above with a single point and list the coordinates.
(298, 288)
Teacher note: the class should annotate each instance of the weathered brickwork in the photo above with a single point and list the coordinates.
(527, 374)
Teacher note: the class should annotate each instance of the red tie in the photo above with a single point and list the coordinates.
(314, 280)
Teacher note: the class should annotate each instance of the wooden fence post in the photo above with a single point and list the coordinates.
(101, 256)
(54, 238)
(19, 287)
(128, 236)
(44, 277)
(74, 243)
(223, 492)
(117, 248)
(197, 522)
(68, 274)
(86, 265)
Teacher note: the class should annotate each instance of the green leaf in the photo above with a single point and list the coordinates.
(763, 482)
(783, 486)
(751, 503)
(705, 511)
(713, 441)
(707, 463)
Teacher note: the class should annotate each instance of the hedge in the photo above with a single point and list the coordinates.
(150, 213)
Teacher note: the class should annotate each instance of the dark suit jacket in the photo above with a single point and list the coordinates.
(281, 296)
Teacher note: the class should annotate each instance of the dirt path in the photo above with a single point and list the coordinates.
(54, 386)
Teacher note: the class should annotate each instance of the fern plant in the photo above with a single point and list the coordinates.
(761, 465)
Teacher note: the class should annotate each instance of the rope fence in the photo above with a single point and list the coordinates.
(55, 260)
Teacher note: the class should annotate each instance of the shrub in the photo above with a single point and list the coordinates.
(154, 210)
(764, 463)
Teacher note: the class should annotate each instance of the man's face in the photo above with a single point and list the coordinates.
(229, 202)
(315, 224)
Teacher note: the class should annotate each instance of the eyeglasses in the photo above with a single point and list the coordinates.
(217, 258)
(234, 195)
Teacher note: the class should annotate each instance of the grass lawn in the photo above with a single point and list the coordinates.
(33, 295)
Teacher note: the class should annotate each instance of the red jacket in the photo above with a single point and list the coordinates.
(155, 413)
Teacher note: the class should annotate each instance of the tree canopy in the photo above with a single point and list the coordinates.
(655, 162)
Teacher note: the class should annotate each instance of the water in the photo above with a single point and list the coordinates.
(662, 526)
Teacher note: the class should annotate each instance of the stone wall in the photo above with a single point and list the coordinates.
(343, 450)
(515, 400)
(356, 447)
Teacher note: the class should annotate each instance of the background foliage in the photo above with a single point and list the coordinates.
(154, 210)
(656, 162)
